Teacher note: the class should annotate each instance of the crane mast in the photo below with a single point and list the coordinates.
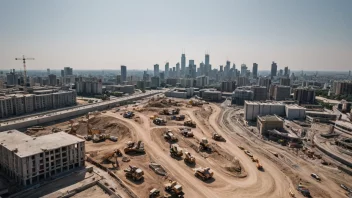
(25, 71)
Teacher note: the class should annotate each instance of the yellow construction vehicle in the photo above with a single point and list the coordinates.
(190, 123)
(204, 145)
(218, 137)
(133, 147)
(203, 173)
(169, 136)
(159, 121)
(189, 158)
(134, 173)
(108, 156)
(174, 188)
(175, 150)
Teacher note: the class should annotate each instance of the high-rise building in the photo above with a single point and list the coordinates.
(48, 71)
(286, 73)
(118, 79)
(183, 65)
(156, 70)
(342, 87)
(244, 70)
(12, 78)
(265, 82)
(167, 70)
(285, 81)
(273, 69)
(304, 95)
(155, 82)
(242, 81)
(62, 73)
(52, 79)
(259, 93)
(202, 81)
(68, 71)
(281, 92)
(221, 68)
(192, 69)
(255, 70)
(177, 70)
(123, 73)
(228, 86)
(227, 68)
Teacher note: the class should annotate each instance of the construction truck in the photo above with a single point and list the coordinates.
(134, 173)
(203, 173)
(168, 135)
(248, 153)
(134, 147)
(305, 191)
(195, 103)
(189, 158)
(204, 145)
(174, 188)
(218, 137)
(180, 117)
(175, 150)
(187, 133)
(190, 123)
(128, 114)
(154, 193)
(259, 165)
(159, 121)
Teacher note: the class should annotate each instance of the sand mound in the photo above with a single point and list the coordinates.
(233, 166)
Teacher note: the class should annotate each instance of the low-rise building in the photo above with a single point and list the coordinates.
(212, 95)
(269, 122)
(316, 116)
(29, 160)
(254, 109)
(129, 89)
(295, 112)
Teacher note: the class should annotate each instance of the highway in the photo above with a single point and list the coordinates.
(70, 111)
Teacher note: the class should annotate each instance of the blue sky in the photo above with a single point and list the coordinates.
(83, 34)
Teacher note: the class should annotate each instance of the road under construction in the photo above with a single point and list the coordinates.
(222, 158)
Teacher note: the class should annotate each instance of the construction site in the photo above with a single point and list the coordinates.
(166, 147)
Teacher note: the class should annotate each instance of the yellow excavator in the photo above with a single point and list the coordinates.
(108, 156)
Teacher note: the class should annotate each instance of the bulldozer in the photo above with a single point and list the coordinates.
(94, 133)
(134, 147)
(204, 145)
(203, 173)
(180, 117)
(190, 123)
(154, 193)
(168, 135)
(187, 133)
(218, 137)
(174, 188)
(159, 121)
(189, 158)
(175, 150)
(195, 103)
(134, 173)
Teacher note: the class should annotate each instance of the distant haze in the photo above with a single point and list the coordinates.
(96, 35)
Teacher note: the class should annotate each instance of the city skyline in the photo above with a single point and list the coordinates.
(56, 36)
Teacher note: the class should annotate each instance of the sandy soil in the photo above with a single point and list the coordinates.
(94, 191)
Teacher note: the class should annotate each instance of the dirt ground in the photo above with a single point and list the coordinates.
(94, 191)
(235, 174)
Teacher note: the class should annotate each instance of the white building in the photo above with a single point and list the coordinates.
(295, 112)
(253, 109)
(29, 160)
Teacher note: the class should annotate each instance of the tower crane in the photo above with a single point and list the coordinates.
(25, 71)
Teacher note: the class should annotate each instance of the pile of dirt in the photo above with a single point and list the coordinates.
(234, 166)
(163, 103)
(110, 124)
(204, 112)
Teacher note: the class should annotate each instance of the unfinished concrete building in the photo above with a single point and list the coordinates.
(269, 122)
(29, 160)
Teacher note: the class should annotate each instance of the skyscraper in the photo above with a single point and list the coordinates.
(156, 70)
(177, 70)
(286, 73)
(255, 70)
(167, 70)
(52, 79)
(243, 70)
(273, 69)
(183, 64)
(207, 65)
(123, 73)
(68, 71)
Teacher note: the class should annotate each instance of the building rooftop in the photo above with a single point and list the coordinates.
(293, 106)
(269, 118)
(24, 145)
(263, 103)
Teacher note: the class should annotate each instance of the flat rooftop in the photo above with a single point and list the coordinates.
(294, 107)
(27, 145)
(263, 103)
(269, 118)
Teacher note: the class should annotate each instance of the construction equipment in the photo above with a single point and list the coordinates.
(25, 71)
(133, 147)
(107, 157)
(189, 158)
(93, 131)
(218, 137)
(305, 191)
(259, 166)
(315, 176)
(175, 150)
(204, 145)
(170, 112)
(174, 188)
(134, 173)
(128, 114)
(159, 121)
(248, 153)
(195, 103)
(190, 123)
(180, 117)
(290, 192)
(203, 173)
(154, 193)
(187, 133)
(168, 135)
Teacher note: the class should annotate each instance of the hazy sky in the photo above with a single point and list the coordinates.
(301, 34)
